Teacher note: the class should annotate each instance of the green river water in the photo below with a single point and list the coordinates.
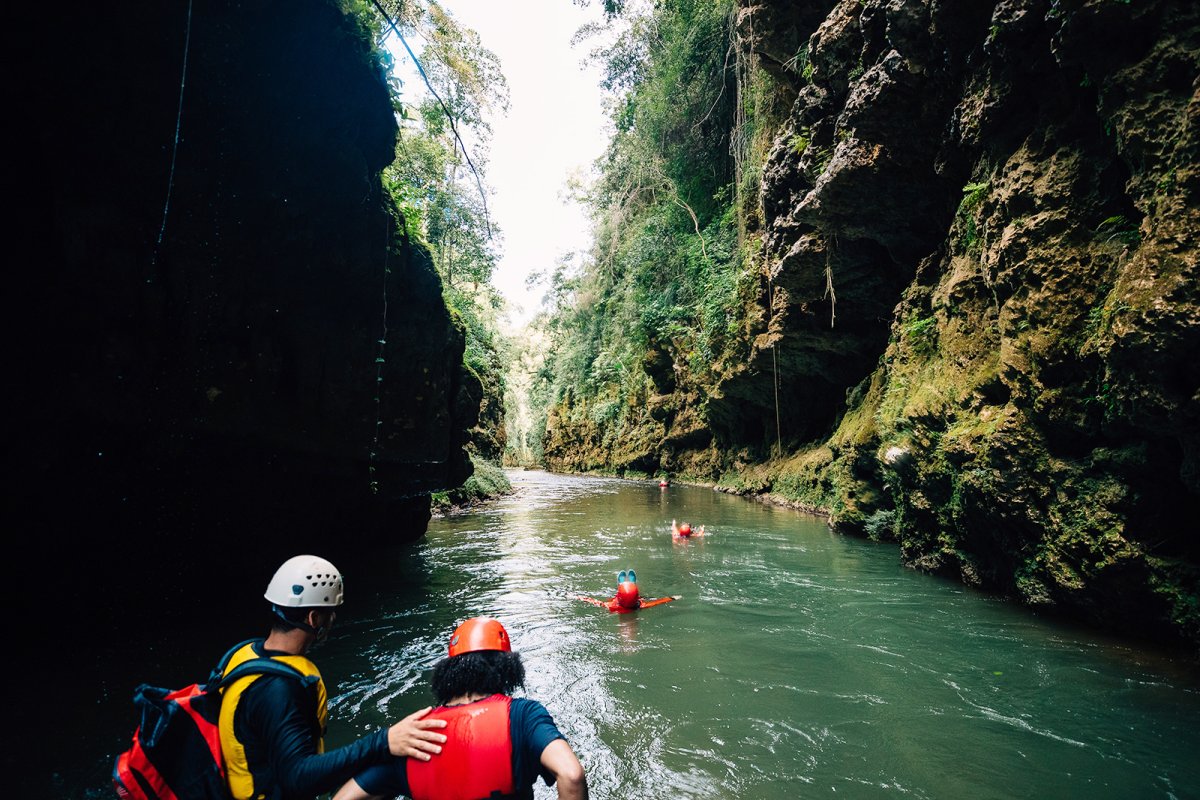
(798, 663)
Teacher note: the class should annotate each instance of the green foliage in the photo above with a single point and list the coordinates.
(799, 142)
(668, 275)
(921, 334)
(1118, 228)
(438, 188)
(528, 387)
(1111, 396)
(1098, 323)
(368, 24)
(799, 64)
(476, 310)
(487, 481)
(973, 194)
(465, 74)
(606, 412)
(821, 158)
(1167, 182)
(881, 525)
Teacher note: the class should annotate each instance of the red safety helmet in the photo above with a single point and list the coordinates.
(627, 595)
(479, 633)
(685, 529)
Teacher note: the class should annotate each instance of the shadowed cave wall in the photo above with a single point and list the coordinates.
(189, 414)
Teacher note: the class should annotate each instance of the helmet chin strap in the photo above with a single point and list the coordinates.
(320, 633)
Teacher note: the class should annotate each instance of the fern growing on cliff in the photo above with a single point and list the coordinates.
(973, 194)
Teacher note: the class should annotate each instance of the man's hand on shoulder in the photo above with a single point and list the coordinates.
(415, 737)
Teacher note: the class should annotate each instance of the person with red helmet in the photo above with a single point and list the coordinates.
(627, 598)
(497, 745)
(685, 531)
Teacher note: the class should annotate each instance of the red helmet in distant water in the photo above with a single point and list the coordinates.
(685, 529)
(627, 595)
(627, 591)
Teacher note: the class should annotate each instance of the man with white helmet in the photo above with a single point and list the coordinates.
(272, 726)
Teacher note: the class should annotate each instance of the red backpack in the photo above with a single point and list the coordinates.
(176, 752)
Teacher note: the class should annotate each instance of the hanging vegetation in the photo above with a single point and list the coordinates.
(654, 304)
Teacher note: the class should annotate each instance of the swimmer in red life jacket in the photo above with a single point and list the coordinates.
(685, 531)
(628, 598)
(496, 744)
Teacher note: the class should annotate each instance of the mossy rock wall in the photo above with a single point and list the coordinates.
(979, 306)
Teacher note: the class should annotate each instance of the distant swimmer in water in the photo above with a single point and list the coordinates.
(685, 531)
(627, 598)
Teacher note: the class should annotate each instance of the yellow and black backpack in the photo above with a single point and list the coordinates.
(176, 751)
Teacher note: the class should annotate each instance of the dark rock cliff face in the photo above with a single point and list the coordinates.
(981, 300)
(191, 413)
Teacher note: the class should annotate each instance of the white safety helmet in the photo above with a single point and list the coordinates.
(305, 582)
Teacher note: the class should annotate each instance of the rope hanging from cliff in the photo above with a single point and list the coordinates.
(187, 40)
(738, 145)
(774, 362)
(445, 110)
(775, 375)
(829, 279)
(379, 359)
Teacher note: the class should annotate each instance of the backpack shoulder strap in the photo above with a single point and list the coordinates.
(219, 669)
(262, 666)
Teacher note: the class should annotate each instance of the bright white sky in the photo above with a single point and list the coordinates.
(555, 127)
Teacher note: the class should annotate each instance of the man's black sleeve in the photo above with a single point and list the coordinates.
(284, 715)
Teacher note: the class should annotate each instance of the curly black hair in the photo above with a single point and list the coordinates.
(482, 672)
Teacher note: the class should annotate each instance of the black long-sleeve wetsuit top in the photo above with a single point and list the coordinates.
(276, 721)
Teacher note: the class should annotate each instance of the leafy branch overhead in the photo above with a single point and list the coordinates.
(462, 75)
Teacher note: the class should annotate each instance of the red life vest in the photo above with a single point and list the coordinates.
(475, 762)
